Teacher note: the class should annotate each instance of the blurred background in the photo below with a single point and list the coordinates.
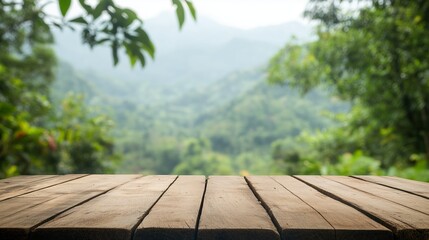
(247, 87)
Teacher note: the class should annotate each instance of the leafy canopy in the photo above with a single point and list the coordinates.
(36, 137)
(374, 54)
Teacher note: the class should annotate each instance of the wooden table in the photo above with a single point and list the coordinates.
(219, 207)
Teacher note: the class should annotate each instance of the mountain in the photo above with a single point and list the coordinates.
(207, 84)
(200, 54)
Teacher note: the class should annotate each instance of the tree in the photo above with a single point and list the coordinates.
(27, 131)
(199, 159)
(372, 54)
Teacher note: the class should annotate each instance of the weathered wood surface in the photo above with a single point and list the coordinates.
(175, 215)
(220, 207)
(405, 222)
(20, 215)
(408, 200)
(35, 184)
(312, 210)
(231, 211)
(293, 217)
(410, 186)
(113, 215)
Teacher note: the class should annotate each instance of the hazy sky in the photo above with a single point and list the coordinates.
(236, 13)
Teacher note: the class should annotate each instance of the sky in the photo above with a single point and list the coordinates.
(243, 14)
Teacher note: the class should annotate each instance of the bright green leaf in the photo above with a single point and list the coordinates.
(64, 6)
(131, 55)
(192, 9)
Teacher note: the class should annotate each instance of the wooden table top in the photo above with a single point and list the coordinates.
(219, 207)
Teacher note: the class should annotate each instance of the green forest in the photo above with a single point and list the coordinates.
(106, 92)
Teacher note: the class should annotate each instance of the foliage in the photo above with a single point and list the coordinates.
(239, 127)
(120, 28)
(198, 159)
(36, 137)
(25, 75)
(84, 144)
(372, 56)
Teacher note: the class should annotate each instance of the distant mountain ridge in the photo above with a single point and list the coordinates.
(207, 82)
(200, 54)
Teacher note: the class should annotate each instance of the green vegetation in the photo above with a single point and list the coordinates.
(354, 100)
(35, 135)
(373, 57)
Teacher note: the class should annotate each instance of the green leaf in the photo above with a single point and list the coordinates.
(133, 60)
(131, 14)
(115, 53)
(192, 9)
(146, 42)
(180, 12)
(130, 53)
(58, 25)
(79, 20)
(141, 58)
(64, 6)
(85, 6)
(101, 41)
(102, 5)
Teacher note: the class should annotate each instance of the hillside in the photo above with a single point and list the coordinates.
(206, 90)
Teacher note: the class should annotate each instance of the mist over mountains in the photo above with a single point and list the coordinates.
(198, 55)
(207, 84)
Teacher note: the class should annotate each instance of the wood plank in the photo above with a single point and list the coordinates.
(231, 211)
(406, 223)
(22, 180)
(113, 215)
(20, 214)
(347, 221)
(406, 185)
(175, 215)
(293, 217)
(41, 183)
(408, 200)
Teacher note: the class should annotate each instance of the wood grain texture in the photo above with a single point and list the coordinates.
(231, 211)
(294, 218)
(35, 185)
(175, 215)
(347, 221)
(19, 215)
(23, 180)
(171, 207)
(406, 223)
(113, 215)
(408, 200)
(410, 186)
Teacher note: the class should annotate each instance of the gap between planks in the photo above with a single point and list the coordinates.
(76, 205)
(133, 229)
(201, 206)
(409, 224)
(40, 184)
(200, 211)
(265, 206)
(388, 181)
